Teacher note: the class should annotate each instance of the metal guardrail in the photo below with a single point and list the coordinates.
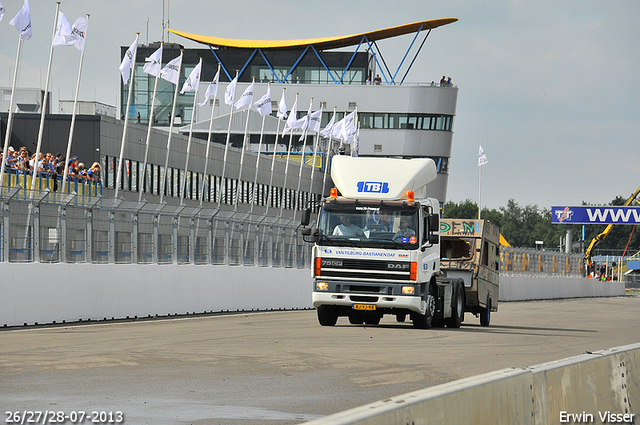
(537, 263)
(49, 227)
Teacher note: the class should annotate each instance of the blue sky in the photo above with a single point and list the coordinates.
(549, 88)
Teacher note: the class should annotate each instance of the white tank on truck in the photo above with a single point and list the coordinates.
(376, 246)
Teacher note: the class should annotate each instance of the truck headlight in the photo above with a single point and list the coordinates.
(408, 290)
(322, 286)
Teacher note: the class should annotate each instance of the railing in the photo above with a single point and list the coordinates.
(533, 262)
(49, 227)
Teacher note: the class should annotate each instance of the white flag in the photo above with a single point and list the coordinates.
(311, 122)
(22, 21)
(153, 65)
(212, 90)
(63, 32)
(247, 97)
(1, 11)
(193, 80)
(67, 35)
(314, 120)
(482, 158)
(282, 108)
(329, 128)
(127, 61)
(263, 105)
(292, 120)
(79, 33)
(171, 71)
(230, 92)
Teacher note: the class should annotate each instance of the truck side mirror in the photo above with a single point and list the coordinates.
(434, 238)
(306, 217)
(310, 234)
(434, 223)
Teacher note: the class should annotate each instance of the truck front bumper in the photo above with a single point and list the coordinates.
(381, 302)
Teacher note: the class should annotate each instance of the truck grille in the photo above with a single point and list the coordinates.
(342, 268)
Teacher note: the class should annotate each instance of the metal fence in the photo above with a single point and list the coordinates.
(50, 227)
(533, 262)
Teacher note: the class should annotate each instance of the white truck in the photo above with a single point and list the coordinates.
(376, 246)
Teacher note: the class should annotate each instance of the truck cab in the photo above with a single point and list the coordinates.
(376, 246)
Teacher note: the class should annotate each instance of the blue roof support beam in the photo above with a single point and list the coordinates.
(406, 54)
(325, 65)
(284, 80)
(269, 65)
(415, 57)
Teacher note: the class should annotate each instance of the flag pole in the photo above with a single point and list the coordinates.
(193, 117)
(315, 151)
(173, 113)
(286, 166)
(7, 136)
(126, 121)
(273, 160)
(479, 191)
(302, 161)
(206, 156)
(73, 119)
(255, 177)
(244, 139)
(226, 151)
(44, 103)
(146, 148)
(326, 158)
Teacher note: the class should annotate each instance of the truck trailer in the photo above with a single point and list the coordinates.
(377, 247)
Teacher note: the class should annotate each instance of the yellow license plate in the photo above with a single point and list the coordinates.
(364, 307)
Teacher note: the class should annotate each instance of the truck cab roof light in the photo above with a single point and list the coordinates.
(334, 193)
(411, 196)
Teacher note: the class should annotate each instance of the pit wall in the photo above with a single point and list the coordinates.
(588, 386)
(35, 293)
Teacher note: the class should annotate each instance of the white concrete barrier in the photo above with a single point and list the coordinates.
(524, 288)
(600, 388)
(33, 293)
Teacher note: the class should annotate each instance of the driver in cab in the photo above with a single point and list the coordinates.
(345, 228)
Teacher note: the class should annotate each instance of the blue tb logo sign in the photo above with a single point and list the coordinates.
(373, 187)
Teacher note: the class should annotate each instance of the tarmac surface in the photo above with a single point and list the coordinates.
(280, 367)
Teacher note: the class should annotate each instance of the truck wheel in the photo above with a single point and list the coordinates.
(401, 317)
(356, 318)
(457, 309)
(327, 316)
(424, 321)
(485, 314)
(372, 319)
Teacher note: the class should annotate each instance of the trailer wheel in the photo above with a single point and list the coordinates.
(327, 316)
(457, 308)
(485, 314)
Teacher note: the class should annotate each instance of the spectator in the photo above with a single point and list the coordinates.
(377, 80)
(12, 158)
(94, 172)
(443, 81)
(449, 82)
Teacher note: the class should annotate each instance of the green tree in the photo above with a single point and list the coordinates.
(467, 209)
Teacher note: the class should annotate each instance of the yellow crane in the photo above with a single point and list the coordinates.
(607, 229)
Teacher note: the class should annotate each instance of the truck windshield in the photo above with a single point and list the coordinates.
(457, 248)
(354, 225)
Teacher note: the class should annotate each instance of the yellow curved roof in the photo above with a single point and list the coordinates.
(323, 43)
